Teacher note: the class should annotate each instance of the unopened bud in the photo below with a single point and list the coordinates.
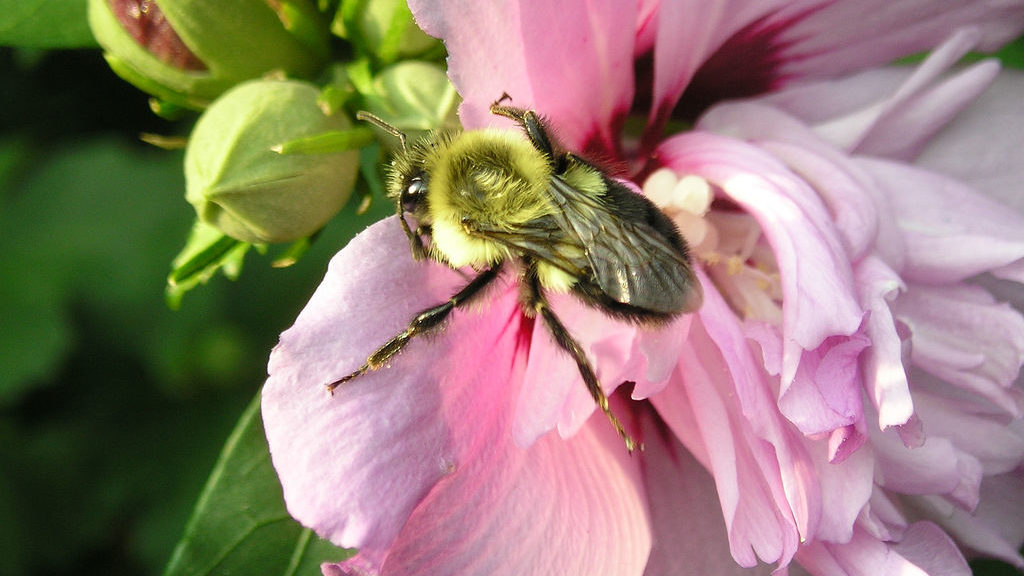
(188, 52)
(238, 182)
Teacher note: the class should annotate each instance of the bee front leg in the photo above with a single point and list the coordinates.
(423, 322)
(533, 126)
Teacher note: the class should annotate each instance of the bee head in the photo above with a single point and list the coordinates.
(410, 178)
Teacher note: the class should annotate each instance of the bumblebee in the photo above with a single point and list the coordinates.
(490, 199)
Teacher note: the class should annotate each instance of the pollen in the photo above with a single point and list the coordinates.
(730, 243)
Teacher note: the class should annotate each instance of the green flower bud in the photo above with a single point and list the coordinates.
(188, 52)
(384, 27)
(414, 96)
(238, 182)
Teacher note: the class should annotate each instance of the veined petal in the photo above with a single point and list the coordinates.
(982, 145)
(572, 506)
(547, 56)
(730, 426)
(983, 236)
(925, 550)
(355, 464)
(961, 335)
(936, 467)
(819, 298)
(690, 536)
(844, 37)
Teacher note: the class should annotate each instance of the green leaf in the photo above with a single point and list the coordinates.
(45, 24)
(240, 525)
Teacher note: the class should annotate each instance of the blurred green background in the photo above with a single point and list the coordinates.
(113, 408)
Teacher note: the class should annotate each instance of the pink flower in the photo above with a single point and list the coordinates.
(845, 398)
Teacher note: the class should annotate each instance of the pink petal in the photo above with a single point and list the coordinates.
(1000, 511)
(353, 465)
(554, 395)
(936, 467)
(689, 34)
(561, 507)
(892, 112)
(843, 37)
(982, 236)
(750, 387)
(818, 291)
(977, 430)
(885, 378)
(926, 546)
(757, 465)
(718, 51)
(825, 393)
(982, 146)
(549, 56)
(842, 185)
(908, 121)
(924, 551)
(983, 532)
(961, 335)
(846, 486)
(415, 464)
(690, 536)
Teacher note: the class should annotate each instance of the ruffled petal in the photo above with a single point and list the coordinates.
(982, 145)
(962, 336)
(885, 378)
(983, 236)
(925, 550)
(819, 299)
(690, 536)
(936, 467)
(981, 431)
(548, 56)
(839, 38)
(719, 408)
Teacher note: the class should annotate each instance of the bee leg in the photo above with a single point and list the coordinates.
(532, 124)
(565, 340)
(423, 322)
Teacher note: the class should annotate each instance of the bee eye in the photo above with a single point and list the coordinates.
(413, 193)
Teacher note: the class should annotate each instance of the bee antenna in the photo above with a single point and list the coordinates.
(380, 123)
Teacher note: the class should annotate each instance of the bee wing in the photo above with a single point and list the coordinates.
(632, 261)
(611, 245)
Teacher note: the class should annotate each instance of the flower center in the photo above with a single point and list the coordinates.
(728, 243)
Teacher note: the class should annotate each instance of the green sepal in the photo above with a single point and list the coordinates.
(206, 252)
(327, 142)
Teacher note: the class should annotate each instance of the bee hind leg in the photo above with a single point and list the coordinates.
(566, 342)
